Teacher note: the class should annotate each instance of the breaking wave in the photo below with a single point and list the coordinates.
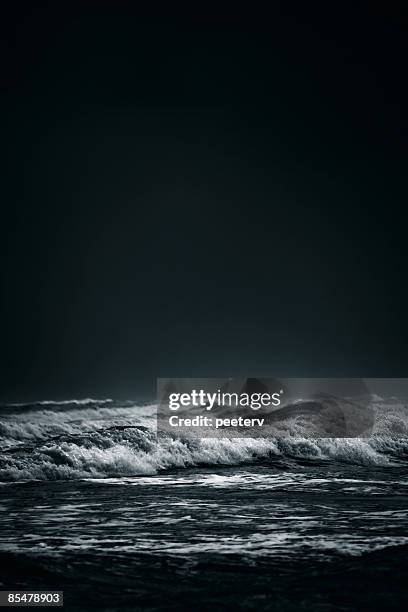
(101, 438)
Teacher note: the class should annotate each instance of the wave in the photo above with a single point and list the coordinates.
(114, 440)
(70, 402)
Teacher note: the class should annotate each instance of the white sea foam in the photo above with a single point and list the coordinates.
(108, 440)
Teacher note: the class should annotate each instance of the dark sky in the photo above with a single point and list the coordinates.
(198, 193)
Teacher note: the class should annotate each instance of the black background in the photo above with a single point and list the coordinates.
(200, 192)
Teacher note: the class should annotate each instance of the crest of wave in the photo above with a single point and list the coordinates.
(145, 454)
(114, 441)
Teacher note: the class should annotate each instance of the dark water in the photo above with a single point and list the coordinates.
(93, 504)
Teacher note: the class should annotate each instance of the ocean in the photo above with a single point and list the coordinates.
(94, 503)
